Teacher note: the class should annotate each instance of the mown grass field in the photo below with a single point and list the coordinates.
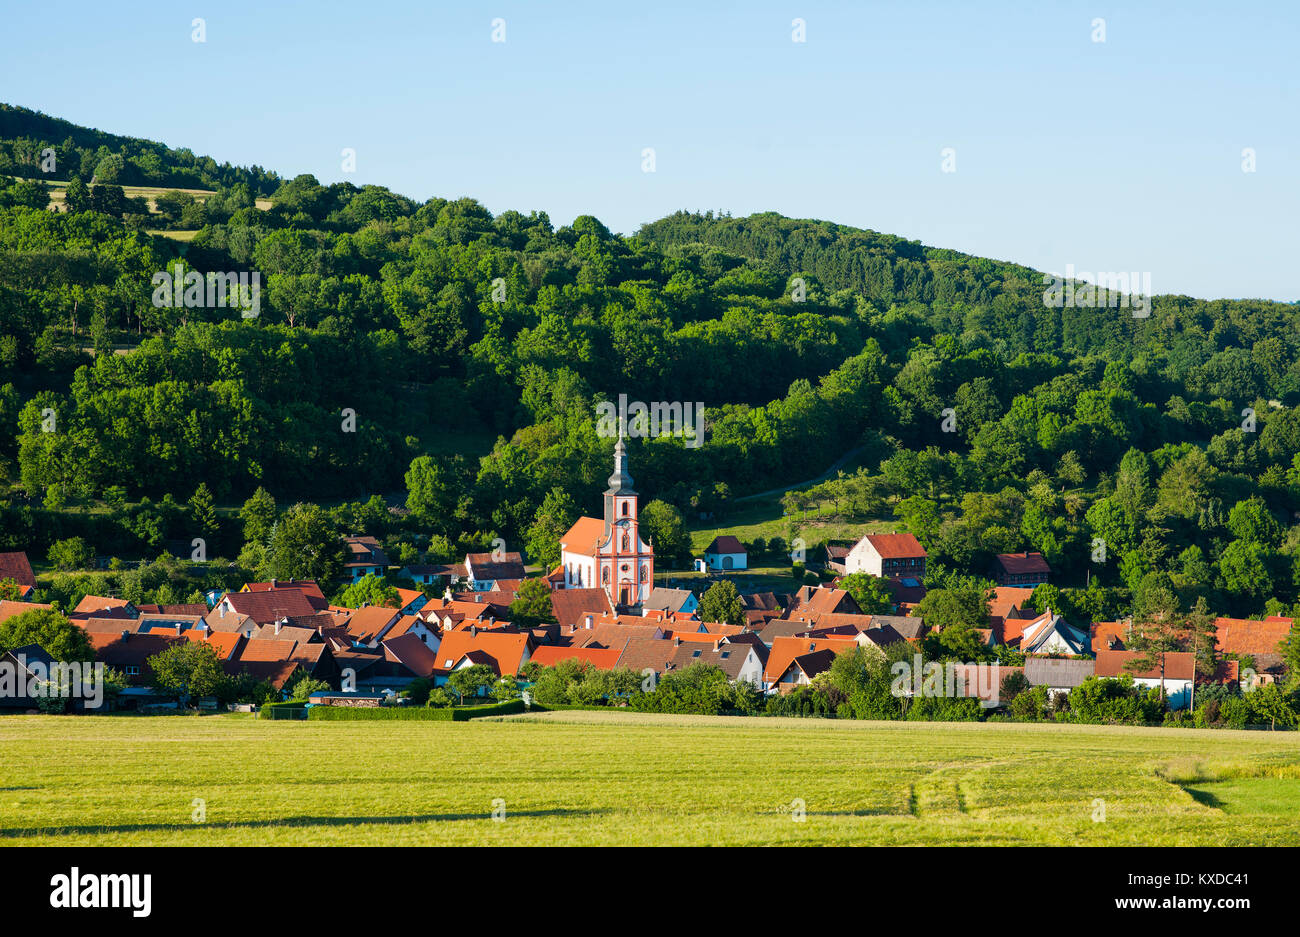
(621, 779)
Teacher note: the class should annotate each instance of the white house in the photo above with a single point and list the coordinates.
(889, 556)
(726, 552)
(1179, 670)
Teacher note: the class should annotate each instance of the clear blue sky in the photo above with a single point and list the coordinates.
(1122, 155)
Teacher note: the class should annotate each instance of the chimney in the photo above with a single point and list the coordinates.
(473, 630)
(586, 621)
(272, 583)
(124, 634)
(279, 623)
(677, 642)
(179, 628)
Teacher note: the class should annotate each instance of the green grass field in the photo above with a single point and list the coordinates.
(622, 779)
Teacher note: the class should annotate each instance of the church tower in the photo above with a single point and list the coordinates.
(608, 552)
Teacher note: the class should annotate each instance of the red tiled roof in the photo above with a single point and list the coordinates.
(584, 536)
(97, 603)
(602, 658)
(412, 653)
(725, 544)
(896, 546)
(786, 649)
(1022, 564)
(9, 609)
(570, 605)
(505, 648)
(16, 567)
(1103, 633)
(1178, 665)
(1246, 636)
(265, 607)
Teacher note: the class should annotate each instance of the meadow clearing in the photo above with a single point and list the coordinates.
(591, 778)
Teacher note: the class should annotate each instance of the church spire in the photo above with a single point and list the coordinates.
(620, 483)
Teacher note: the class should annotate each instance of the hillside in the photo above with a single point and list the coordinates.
(989, 421)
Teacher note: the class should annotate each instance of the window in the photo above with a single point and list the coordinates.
(725, 654)
(625, 509)
(695, 653)
(604, 575)
(132, 671)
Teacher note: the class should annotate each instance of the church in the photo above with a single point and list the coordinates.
(609, 553)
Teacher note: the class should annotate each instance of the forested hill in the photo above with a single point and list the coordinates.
(112, 159)
(472, 348)
(994, 302)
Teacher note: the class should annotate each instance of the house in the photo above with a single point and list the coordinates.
(9, 609)
(435, 574)
(648, 655)
(130, 652)
(484, 570)
(1245, 636)
(810, 602)
(16, 567)
(737, 661)
(16, 675)
(263, 608)
(413, 654)
(681, 601)
(365, 557)
(96, 606)
(608, 553)
(1179, 667)
(368, 625)
(1057, 674)
(1024, 570)
(786, 650)
(1052, 634)
(889, 556)
(504, 652)
(307, 587)
(726, 552)
(837, 555)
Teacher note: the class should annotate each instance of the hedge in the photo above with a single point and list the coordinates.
(447, 714)
(288, 710)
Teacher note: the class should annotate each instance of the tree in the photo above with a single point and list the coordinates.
(188, 669)
(550, 524)
(721, 603)
(665, 529)
(469, 680)
(258, 515)
(532, 604)
(432, 492)
(10, 591)
(306, 686)
(370, 590)
(202, 511)
(72, 553)
(304, 545)
(1267, 702)
(60, 638)
(870, 592)
(1154, 638)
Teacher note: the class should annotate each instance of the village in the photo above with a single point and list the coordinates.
(606, 613)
